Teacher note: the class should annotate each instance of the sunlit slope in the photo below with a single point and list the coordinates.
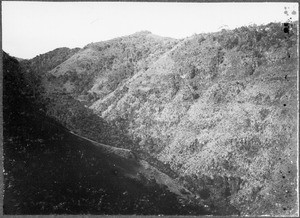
(99, 68)
(221, 105)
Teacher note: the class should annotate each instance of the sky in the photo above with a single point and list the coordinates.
(33, 28)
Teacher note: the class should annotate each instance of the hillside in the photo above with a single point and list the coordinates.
(218, 111)
(50, 170)
(99, 68)
(221, 106)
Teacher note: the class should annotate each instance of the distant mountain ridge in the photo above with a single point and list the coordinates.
(218, 109)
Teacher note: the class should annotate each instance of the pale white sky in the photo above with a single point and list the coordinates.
(33, 28)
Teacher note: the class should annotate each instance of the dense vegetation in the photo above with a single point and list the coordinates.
(221, 105)
(217, 112)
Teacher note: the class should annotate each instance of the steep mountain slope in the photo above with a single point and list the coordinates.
(51, 170)
(221, 105)
(220, 109)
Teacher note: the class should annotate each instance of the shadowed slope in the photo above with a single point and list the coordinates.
(49, 170)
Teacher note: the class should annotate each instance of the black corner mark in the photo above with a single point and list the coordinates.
(286, 28)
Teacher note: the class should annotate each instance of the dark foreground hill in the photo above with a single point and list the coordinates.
(49, 170)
